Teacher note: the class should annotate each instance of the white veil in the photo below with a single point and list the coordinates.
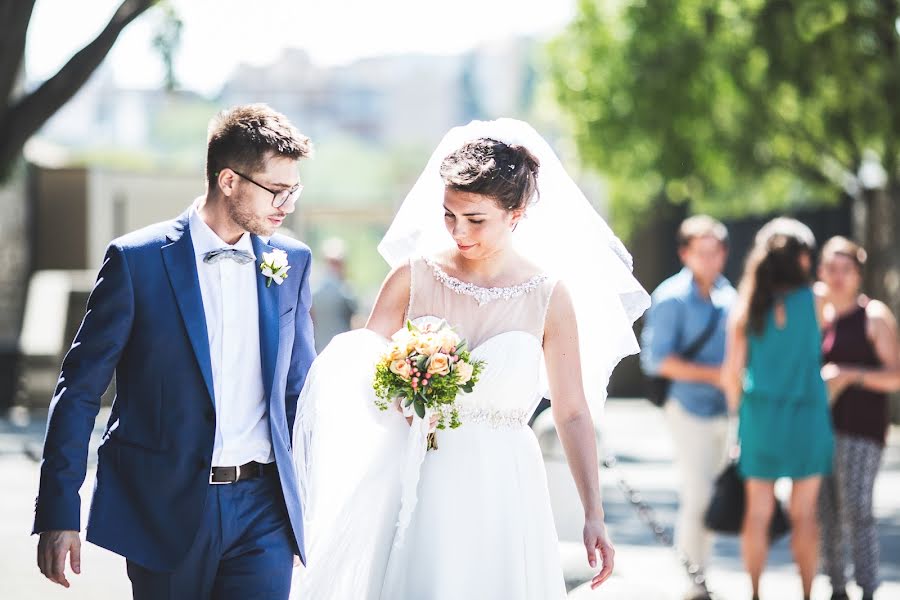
(561, 232)
(353, 462)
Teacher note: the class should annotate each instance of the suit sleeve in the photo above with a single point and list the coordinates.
(304, 350)
(86, 372)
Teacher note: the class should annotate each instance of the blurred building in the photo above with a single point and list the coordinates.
(389, 100)
(104, 116)
(392, 100)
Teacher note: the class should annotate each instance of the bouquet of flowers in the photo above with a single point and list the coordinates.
(425, 369)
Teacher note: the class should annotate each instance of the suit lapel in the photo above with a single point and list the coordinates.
(181, 266)
(268, 319)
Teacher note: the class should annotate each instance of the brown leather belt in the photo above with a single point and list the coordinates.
(251, 470)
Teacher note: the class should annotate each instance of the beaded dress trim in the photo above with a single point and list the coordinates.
(483, 295)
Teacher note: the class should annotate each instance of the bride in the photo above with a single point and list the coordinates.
(542, 290)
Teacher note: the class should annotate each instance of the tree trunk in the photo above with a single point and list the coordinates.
(21, 117)
(14, 262)
(881, 238)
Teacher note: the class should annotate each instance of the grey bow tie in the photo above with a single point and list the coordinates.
(239, 256)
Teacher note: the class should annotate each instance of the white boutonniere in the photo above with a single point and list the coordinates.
(275, 266)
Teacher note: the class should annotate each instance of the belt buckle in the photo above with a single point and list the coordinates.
(237, 476)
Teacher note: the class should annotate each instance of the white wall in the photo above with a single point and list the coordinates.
(119, 202)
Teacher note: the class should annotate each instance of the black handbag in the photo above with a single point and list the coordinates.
(725, 513)
(657, 388)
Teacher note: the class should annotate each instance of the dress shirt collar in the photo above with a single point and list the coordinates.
(206, 240)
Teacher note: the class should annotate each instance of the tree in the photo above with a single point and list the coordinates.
(741, 107)
(22, 115)
(167, 41)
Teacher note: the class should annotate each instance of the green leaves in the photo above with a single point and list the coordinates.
(731, 106)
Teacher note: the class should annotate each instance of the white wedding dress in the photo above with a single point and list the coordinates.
(470, 520)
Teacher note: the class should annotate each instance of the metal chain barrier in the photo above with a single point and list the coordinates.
(648, 515)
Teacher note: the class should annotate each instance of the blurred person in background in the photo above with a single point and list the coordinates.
(690, 307)
(334, 302)
(772, 376)
(862, 359)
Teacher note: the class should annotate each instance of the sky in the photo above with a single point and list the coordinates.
(218, 35)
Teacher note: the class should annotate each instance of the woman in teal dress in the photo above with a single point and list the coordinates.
(772, 376)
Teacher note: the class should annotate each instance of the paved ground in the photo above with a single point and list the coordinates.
(634, 431)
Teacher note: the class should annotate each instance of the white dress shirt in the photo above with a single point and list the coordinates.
(231, 307)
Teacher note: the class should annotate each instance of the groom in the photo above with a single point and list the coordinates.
(205, 322)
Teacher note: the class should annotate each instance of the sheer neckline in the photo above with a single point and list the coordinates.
(483, 295)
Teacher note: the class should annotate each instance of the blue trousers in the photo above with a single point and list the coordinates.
(244, 549)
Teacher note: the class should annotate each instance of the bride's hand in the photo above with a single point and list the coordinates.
(409, 418)
(597, 539)
(431, 425)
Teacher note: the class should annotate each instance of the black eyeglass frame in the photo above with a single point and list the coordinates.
(276, 202)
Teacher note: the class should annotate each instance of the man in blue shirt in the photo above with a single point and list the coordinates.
(682, 308)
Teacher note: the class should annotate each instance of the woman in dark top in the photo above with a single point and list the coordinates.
(862, 364)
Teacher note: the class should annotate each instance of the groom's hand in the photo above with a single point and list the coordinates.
(51, 555)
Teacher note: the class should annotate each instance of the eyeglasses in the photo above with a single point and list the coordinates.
(279, 197)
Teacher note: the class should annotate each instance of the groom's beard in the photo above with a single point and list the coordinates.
(240, 210)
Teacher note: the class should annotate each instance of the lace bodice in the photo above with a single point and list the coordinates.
(478, 313)
(504, 327)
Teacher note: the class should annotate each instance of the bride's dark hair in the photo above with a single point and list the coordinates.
(774, 267)
(507, 173)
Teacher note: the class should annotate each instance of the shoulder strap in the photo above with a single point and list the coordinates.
(704, 336)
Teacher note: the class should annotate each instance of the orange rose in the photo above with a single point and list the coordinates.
(439, 364)
(401, 368)
(449, 340)
(464, 372)
(428, 344)
(397, 351)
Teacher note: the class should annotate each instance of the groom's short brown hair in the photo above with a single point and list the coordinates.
(244, 137)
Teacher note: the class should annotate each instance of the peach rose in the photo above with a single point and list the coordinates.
(464, 372)
(401, 368)
(439, 364)
(449, 340)
(397, 351)
(428, 344)
(405, 339)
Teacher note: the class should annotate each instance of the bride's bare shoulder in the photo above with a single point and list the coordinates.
(528, 269)
(443, 259)
(521, 270)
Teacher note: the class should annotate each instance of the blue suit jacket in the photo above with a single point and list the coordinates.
(145, 322)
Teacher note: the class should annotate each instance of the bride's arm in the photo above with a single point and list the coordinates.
(389, 312)
(390, 306)
(574, 423)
